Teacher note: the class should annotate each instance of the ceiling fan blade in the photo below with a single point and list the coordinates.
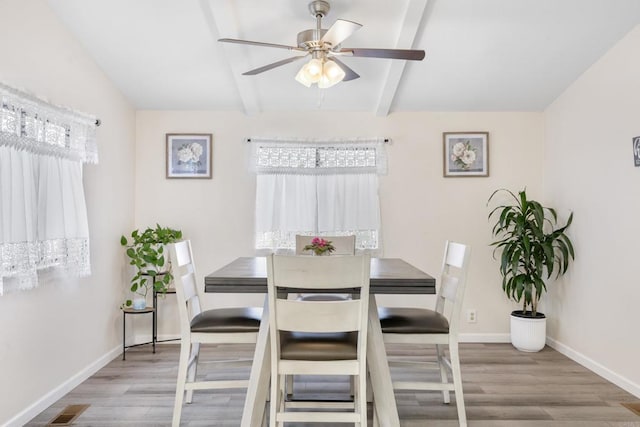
(272, 65)
(249, 42)
(339, 31)
(349, 74)
(410, 54)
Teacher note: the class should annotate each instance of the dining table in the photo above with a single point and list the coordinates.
(391, 276)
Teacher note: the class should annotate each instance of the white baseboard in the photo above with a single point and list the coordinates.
(57, 393)
(484, 338)
(595, 367)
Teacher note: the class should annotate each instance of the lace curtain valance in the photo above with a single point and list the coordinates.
(28, 123)
(318, 156)
(43, 218)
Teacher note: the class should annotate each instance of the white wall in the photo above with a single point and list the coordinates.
(66, 328)
(420, 208)
(589, 169)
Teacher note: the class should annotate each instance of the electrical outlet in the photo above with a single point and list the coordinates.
(472, 316)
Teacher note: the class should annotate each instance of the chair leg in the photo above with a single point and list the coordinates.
(281, 396)
(376, 422)
(193, 368)
(360, 397)
(274, 404)
(443, 372)
(182, 378)
(457, 383)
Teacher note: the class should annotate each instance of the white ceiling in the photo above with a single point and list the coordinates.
(481, 55)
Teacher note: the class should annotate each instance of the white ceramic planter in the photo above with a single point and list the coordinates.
(139, 303)
(528, 334)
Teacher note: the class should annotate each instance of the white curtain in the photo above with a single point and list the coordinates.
(317, 187)
(43, 219)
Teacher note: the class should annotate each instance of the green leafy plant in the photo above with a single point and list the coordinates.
(531, 247)
(146, 254)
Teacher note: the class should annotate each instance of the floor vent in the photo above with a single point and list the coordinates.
(633, 407)
(68, 415)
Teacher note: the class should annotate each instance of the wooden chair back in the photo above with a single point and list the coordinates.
(184, 277)
(453, 279)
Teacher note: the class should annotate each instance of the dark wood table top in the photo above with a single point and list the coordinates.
(388, 276)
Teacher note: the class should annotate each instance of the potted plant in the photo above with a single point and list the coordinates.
(147, 255)
(320, 246)
(531, 248)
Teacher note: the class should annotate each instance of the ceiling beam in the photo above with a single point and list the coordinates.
(409, 29)
(224, 21)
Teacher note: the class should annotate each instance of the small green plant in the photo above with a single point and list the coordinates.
(146, 254)
(531, 246)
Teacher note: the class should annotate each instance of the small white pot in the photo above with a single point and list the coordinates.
(527, 333)
(139, 303)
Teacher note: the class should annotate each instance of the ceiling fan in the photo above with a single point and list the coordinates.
(324, 46)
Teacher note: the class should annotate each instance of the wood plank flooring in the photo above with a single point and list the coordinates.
(503, 387)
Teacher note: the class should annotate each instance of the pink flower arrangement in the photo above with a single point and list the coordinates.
(319, 246)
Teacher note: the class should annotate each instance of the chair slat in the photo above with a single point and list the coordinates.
(321, 316)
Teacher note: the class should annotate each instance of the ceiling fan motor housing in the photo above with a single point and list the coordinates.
(307, 39)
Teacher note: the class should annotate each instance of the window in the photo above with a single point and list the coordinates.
(317, 187)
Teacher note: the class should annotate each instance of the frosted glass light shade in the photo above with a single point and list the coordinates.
(311, 72)
(331, 74)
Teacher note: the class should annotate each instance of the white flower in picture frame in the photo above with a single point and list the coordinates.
(466, 154)
(458, 149)
(185, 154)
(189, 155)
(196, 150)
(463, 154)
(468, 157)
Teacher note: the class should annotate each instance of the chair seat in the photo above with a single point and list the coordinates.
(318, 346)
(241, 319)
(407, 320)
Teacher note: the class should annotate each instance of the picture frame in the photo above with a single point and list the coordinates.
(636, 151)
(189, 155)
(465, 154)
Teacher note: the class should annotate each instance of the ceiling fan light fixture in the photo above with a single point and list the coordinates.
(332, 72)
(325, 73)
(313, 70)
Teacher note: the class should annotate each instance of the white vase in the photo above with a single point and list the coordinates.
(139, 303)
(527, 333)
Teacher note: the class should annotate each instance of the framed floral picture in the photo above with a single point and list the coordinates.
(466, 154)
(189, 155)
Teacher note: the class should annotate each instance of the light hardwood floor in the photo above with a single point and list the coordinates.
(503, 387)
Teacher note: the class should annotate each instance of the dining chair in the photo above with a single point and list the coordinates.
(317, 337)
(344, 245)
(198, 326)
(439, 327)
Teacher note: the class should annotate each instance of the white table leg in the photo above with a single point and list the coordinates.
(384, 400)
(257, 392)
